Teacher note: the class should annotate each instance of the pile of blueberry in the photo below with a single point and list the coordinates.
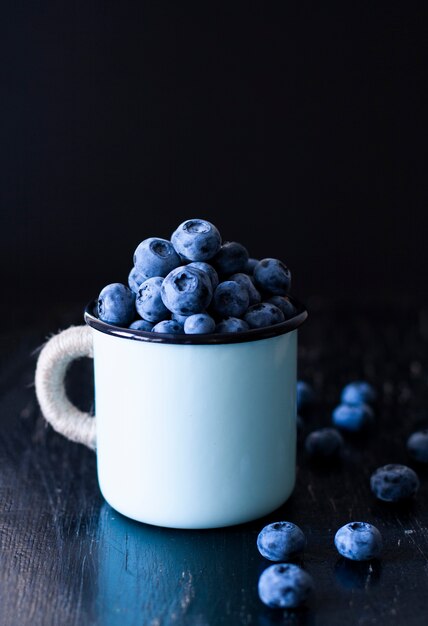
(195, 284)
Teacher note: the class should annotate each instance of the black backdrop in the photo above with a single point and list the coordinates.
(298, 128)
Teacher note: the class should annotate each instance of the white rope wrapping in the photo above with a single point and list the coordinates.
(52, 364)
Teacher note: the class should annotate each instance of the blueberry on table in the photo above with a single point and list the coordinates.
(168, 326)
(280, 541)
(358, 541)
(324, 444)
(155, 257)
(149, 303)
(116, 304)
(141, 325)
(394, 483)
(230, 299)
(231, 258)
(186, 290)
(352, 418)
(417, 446)
(232, 325)
(285, 304)
(135, 279)
(305, 394)
(199, 324)
(245, 281)
(196, 240)
(272, 276)
(208, 269)
(284, 586)
(263, 314)
(358, 392)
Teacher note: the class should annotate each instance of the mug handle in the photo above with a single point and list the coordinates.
(52, 364)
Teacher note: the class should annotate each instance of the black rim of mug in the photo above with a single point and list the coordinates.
(255, 334)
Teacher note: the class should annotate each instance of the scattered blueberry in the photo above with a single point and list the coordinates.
(358, 541)
(230, 299)
(358, 392)
(135, 279)
(263, 314)
(272, 276)
(284, 586)
(168, 326)
(199, 324)
(305, 394)
(155, 257)
(116, 304)
(245, 281)
(285, 304)
(392, 483)
(417, 445)
(149, 303)
(352, 418)
(251, 264)
(141, 325)
(232, 325)
(280, 541)
(196, 240)
(324, 444)
(186, 290)
(231, 258)
(208, 269)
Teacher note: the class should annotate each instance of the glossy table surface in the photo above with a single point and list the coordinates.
(67, 558)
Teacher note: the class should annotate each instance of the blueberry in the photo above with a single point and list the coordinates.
(358, 392)
(232, 325)
(392, 483)
(417, 445)
(155, 257)
(305, 394)
(230, 299)
(358, 541)
(135, 279)
(186, 290)
(263, 314)
(141, 325)
(196, 240)
(231, 258)
(179, 318)
(352, 417)
(284, 586)
(168, 326)
(199, 324)
(285, 304)
(149, 302)
(116, 304)
(245, 281)
(324, 444)
(280, 541)
(272, 276)
(251, 264)
(208, 269)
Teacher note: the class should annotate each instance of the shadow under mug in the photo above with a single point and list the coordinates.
(191, 431)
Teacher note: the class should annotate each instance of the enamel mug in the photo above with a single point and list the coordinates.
(191, 431)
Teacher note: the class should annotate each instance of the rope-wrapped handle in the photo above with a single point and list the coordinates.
(52, 364)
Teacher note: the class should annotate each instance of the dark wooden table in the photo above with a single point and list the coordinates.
(67, 558)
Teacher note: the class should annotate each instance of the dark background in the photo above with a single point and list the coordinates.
(297, 128)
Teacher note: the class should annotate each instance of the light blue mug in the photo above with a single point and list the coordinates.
(191, 431)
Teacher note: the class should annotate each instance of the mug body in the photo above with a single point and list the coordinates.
(195, 435)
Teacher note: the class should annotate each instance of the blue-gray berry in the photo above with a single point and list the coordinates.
(394, 482)
(280, 541)
(230, 299)
(358, 541)
(149, 303)
(245, 281)
(231, 258)
(358, 392)
(417, 446)
(186, 290)
(208, 269)
(116, 304)
(352, 418)
(232, 325)
(272, 276)
(135, 279)
(168, 326)
(155, 257)
(263, 314)
(305, 394)
(199, 324)
(196, 240)
(284, 303)
(284, 586)
(141, 325)
(324, 444)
